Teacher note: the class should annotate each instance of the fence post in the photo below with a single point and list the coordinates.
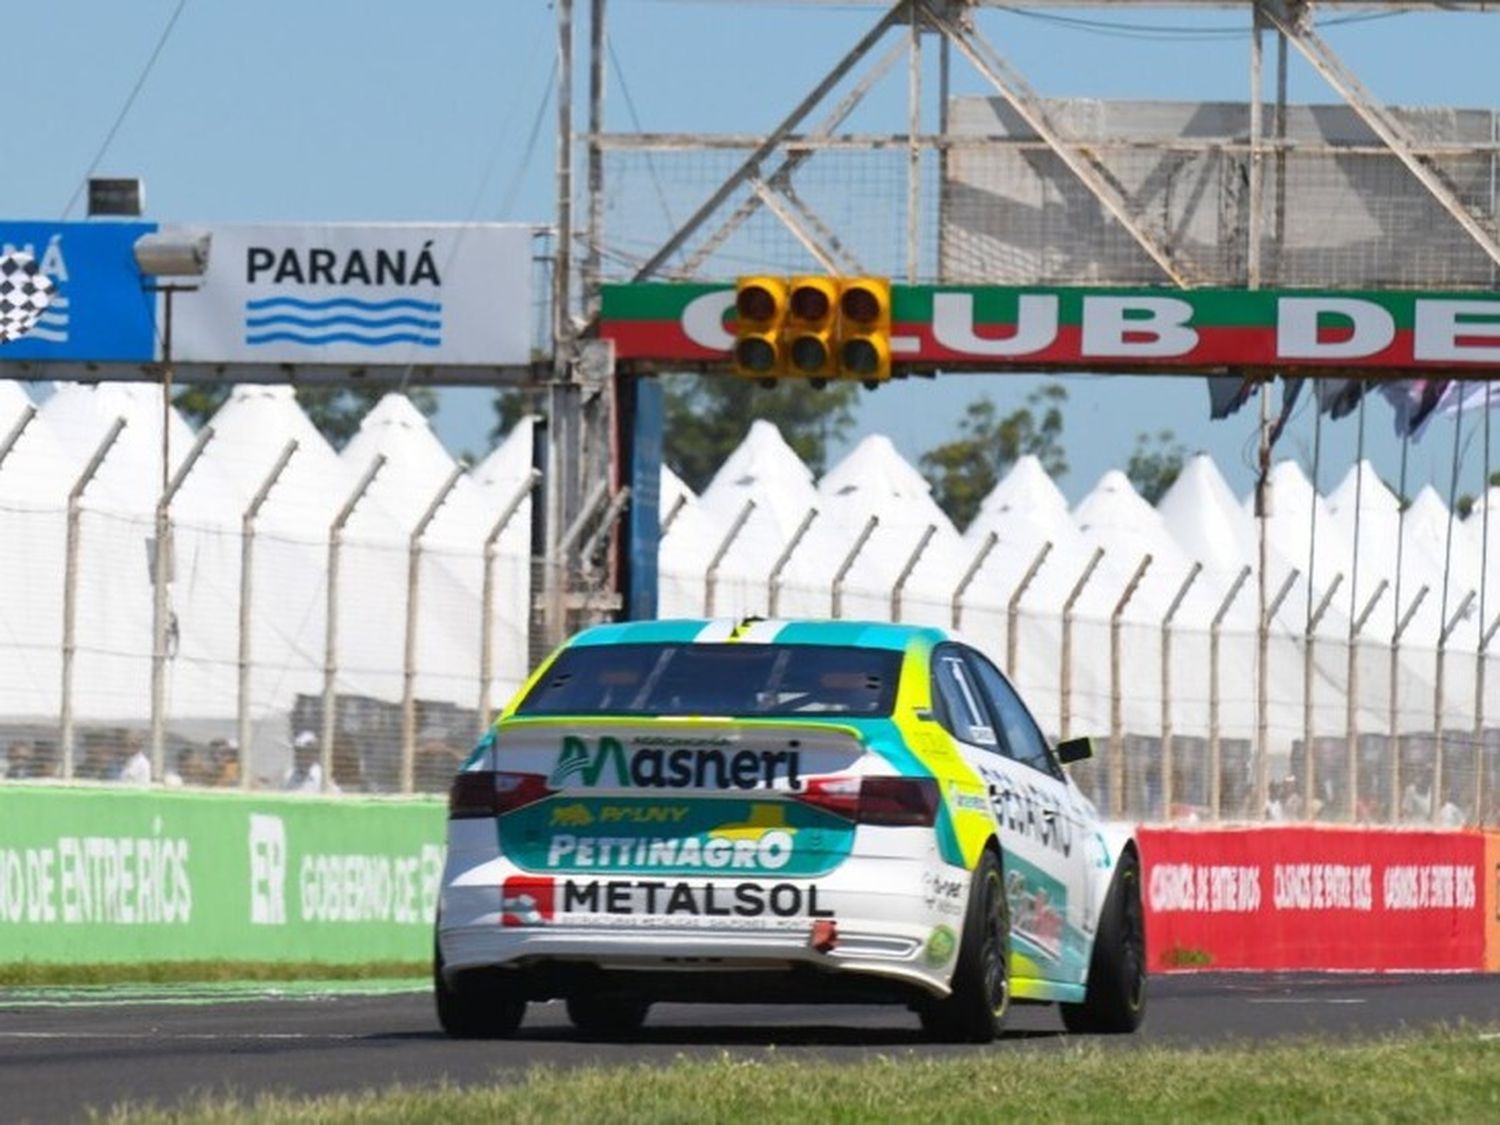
(70, 590)
(8, 442)
(1351, 764)
(848, 564)
(1411, 611)
(990, 539)
(711, 576)
(409, 649)
(911, 565)
(487, 596)
(1262, 750)
(1116, 704)
(672, 513)
(1309, 640)
(1437, 702)
(1167, 763)
(1065, 688)
(1484, 645)
(1215, 778)
(773, 583)
(1013, 610)
(247, 559)
(331, 622)
(159, 608)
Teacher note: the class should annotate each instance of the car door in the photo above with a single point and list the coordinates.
(1045, 825)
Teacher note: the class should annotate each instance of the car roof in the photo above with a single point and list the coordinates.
(755, 630)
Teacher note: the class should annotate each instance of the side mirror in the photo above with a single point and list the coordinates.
(1075, 750)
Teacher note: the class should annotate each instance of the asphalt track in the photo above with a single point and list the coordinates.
(63, 1051)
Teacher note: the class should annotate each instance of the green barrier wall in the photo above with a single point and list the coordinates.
(96, 875)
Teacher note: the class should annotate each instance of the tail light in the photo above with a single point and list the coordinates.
(486, 793)
(889, 801)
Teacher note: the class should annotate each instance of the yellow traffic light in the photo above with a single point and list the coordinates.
(864, 347)
(760, 305)
(812, 317)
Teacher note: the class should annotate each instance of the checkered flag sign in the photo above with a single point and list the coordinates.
(25, 293)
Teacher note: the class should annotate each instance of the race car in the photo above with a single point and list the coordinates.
(798, 811)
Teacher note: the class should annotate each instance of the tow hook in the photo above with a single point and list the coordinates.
(825, 935)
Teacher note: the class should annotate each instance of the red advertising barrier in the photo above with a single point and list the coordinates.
(1315, 898)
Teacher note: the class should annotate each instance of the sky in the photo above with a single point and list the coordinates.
(377, 110)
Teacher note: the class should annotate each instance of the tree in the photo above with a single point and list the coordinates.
(962, 472)
(1155, 464)
(511, 405)
(335, 411)
(708, 416)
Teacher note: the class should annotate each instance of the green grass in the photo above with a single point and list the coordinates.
(37, 973)
(1442, 1076)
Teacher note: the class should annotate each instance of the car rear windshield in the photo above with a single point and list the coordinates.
(707, 679)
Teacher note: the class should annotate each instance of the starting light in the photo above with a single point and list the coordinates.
(818, 328)
(809, 335)
(865, 330)
(760, 305)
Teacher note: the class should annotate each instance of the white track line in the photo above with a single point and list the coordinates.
(166, 1036)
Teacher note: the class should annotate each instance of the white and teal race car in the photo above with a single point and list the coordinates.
(780, 811)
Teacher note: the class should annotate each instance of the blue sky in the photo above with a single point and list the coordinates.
(374, 110)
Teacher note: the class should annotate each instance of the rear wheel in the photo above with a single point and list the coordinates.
(476, 1005)
(974, 1012)
(1116, 1000)
(607, 1017)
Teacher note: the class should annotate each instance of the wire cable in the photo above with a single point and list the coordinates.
(140, 82)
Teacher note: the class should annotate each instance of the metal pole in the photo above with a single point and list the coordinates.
(562, 267)
(1065, 691)
(592, 270)
(1253, 235)
(672, 513)
(911, 565)
(1484, 645)
(1215, 780)
(1116, 703)
(409, 651)
(773, 583)
(70, 590)
(990, 539)
(848, 563)
(1262, 692)
(487, 597)
(711, 576)
(914, 150)
(1167, 764)
(159, 608)
(1437, 702)
(1013, 611)
(28, 412)
(1405, 620)
(331, 615)
(1352, 763)
(247, 560)
(1309, 641)
(1351, 680)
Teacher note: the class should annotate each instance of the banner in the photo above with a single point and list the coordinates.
(1315, 898)
(111, 875)
(991, 327)
(361, 294)
(99, 312)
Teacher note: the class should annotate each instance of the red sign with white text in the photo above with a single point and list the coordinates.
(1313, 898)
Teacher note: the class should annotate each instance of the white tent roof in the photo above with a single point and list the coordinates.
(1115, 517)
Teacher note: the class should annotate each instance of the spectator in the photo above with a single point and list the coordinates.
(45, 759)
(348, 769)
(306, 774)
(223, 766)
(435, 763)
(17, 762)
(190, 768)
(97, 762)
(135, 766)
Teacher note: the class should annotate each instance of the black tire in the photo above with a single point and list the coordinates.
(607, 1017)
(974, 1012)
(1116, 1000)
(476, 1005)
